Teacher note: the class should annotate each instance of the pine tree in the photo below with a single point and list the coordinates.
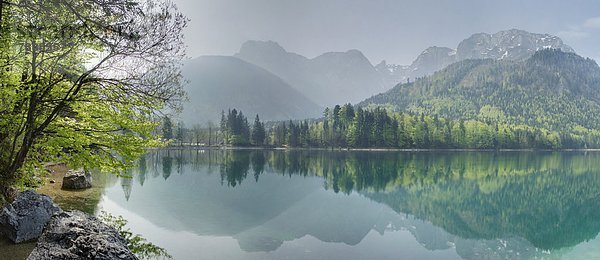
(167, 128)
(258, 132)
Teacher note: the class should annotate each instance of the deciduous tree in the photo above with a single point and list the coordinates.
(81, 81)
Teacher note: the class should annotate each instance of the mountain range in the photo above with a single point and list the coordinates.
(263, 78)
(329, 79)
(552, 89)
(515, 45)
(219, 83)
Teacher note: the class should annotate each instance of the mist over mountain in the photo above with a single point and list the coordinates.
(342, 77)
(217, 83)
(511, 44)
(266, 79)
(329, 79)
(552, 89)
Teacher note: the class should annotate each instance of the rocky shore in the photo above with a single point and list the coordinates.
(60, 234)
(77, 235)
(25, 218)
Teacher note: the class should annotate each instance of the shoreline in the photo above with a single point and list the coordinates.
(340, 149)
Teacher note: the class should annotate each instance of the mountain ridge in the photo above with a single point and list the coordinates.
(349, 77)
(552, 89)
(217, 83)
(513, 44)
(329, 79)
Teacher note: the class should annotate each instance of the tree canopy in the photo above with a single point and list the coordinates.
(356, 127)
(81, 81)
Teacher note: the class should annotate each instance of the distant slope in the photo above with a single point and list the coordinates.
(329, 79)
(341, 77)
(217, 83)
(514, 45)
(552, 89)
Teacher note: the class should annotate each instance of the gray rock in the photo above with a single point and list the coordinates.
(77, 235)
(25, 218)
(77, 179)
(515, 45)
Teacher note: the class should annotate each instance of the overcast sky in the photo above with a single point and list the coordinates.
(396, 31)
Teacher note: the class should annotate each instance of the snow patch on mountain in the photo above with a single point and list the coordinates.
(511, 44)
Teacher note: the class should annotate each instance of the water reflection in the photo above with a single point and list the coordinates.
(472, 205)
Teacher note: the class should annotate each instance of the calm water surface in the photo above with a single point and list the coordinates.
(213, 204)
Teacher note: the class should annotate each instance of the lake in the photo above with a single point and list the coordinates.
(301, 204)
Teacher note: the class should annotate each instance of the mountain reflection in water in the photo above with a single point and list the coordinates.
(328, 204)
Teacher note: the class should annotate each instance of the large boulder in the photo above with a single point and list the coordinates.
(25, 218)
(77, 235)
(77, 179)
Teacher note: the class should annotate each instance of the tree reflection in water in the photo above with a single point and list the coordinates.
(548, 199)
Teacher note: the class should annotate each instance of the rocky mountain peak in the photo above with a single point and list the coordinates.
(513, 44)
(345, 59)
(262, 47)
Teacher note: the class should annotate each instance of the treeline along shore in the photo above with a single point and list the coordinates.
(357, 128)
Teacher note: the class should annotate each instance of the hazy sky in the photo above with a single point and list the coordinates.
(396, 31)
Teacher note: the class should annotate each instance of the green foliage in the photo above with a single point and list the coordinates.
(293, 135)
(258, 132)
(236, 128)
(136, 243)
(347, 126)
(80, 82)
(551, 90)
(237, 132)
(167, 128)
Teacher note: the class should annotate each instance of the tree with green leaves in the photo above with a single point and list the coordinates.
(380, 128)
(237, 130)
(81, 82)
(258, 132)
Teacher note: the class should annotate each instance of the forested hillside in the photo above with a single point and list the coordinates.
(553, 90)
